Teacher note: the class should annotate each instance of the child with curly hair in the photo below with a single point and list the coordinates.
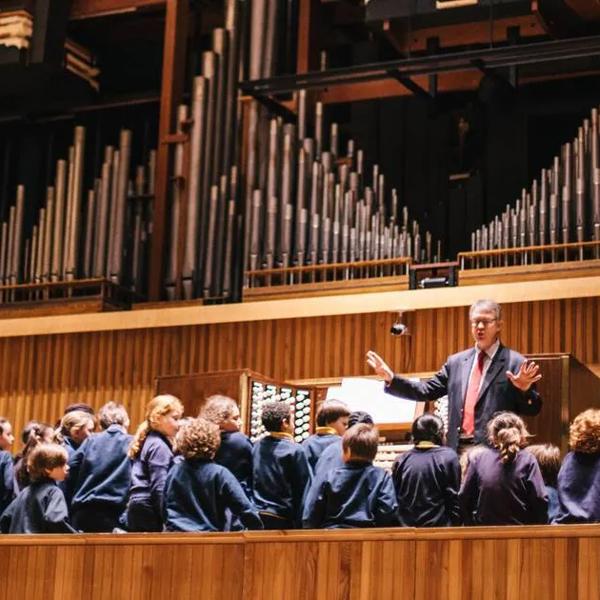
(579, 475)
(503, 484)
(199, 493)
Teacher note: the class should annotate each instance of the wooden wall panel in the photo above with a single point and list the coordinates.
(504, 563)
(39, 375)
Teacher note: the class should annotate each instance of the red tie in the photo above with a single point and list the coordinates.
(468, 424)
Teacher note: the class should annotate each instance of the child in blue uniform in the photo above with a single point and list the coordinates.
(41, 506)
(200, 494)
(357, 494)
(33, 433)
(75, 427)
(503, 484)
(100, 472)
(427, 478)
(152, 456)
(548, 459)
(280, 470)
(332, 422)
(7, 479)
(579, 475)
(235, 450)
(332, 456)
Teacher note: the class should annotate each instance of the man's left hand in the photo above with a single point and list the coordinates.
(526, 376)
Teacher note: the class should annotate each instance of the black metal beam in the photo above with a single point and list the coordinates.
(409, 84)
(489, 58)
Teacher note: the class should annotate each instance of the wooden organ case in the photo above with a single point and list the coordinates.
(250, 390)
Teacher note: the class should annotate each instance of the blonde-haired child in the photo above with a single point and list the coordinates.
(152, 456)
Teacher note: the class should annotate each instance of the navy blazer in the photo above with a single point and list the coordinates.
(7, 480)
(495, 493)
(149, 471)
(355, 495)
(427, 481)
(39, 508)
(100, 471)
(579, 489)
(314, 446)
(198, 494)
(235, 454)
(497, 392)
(281, 475)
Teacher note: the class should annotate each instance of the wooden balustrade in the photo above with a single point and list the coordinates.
(504, 563)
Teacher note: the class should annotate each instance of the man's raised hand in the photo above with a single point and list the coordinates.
(526, 376)
(380, 367)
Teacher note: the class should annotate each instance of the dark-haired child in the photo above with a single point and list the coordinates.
(33, 434)
(357, 494)
(332, 422)
(235, 450)
(579, 475)
(100, 472)
(427, 478)
(200, 494)
(41, 506)
(548, 459)
(281, 471)
(7, 479)
(332, 457)
(503, 484)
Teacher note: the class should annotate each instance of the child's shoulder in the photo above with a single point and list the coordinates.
(236, 438)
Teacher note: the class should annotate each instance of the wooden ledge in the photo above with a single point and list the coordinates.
(527, 291)
(400, 534)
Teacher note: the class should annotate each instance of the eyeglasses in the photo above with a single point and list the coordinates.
(484, 322)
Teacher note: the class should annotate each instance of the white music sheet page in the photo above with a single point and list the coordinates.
(360, 393)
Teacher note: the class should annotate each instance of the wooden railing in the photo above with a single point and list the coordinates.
(524, 563)
(329, 272)
(528, 255)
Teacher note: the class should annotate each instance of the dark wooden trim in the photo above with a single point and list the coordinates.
(174, 55)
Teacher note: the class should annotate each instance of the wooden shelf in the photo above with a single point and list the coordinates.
(86, 9)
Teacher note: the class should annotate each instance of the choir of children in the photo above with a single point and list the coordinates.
(204, 474)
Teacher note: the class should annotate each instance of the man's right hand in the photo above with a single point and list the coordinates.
(380, 367)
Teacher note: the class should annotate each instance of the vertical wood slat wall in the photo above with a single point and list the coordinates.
(39, 375)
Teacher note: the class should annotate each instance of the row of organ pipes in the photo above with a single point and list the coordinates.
(314, 205)
(79, 233)
(254, 191)
(204, 196)
(286, 199)
(562, 206)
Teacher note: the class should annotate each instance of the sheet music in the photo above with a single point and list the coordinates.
(360, 393)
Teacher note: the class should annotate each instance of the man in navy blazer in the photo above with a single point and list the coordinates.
(479, 382)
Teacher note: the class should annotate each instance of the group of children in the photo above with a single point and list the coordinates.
(204, 474)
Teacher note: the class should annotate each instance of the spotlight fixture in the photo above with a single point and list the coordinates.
(398, 327)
